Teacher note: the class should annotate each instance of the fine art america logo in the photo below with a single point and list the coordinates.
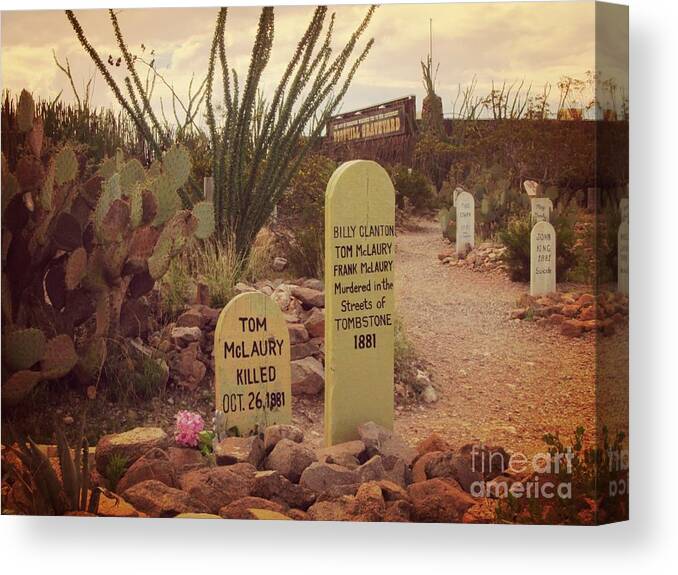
(548, 475)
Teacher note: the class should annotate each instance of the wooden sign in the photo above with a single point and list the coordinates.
(252, 365)
(542, 259)
(359, 299)
(385, 120)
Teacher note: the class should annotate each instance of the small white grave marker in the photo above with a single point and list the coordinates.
(542, 259)
(466, 215)
(541, 209)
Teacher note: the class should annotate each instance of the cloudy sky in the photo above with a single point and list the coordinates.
(535, 42)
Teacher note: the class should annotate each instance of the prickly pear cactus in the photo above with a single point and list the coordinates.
(204, 213)
(65, 166)
(23, 348)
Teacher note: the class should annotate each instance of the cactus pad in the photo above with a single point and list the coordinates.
(66, 165)
(76, 267)
(36, 136)
(132, 172)
(23, 348)
(91, 360)
(176, 165)
(109, 193)
(136, 204)
(204, 213)
(107, 168)
(166, 197)
(142, 243)
(60, 357)
(19, 385)
(25, 112)
(115, 221)
(30, 173)
(67, 232)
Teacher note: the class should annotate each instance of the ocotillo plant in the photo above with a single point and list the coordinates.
(255, 156)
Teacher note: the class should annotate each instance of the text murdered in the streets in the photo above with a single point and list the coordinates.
(252, 362)
(362, 273)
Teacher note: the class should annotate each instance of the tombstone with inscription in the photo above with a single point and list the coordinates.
(252, 365)
(541, 209)
(359, 299)
(542, 259)
(466, 218)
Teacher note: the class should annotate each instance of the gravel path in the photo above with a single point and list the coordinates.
(501, 382)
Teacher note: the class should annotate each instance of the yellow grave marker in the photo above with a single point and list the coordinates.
(359, 299)
(252, 364)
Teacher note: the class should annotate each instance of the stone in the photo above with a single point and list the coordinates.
(274, 486)
(359, 256)
(542, 259)
(309, 297)
(282, 295)
(308, 376)
(252, 365)
(191, 318)
(185, 459)
(429, 395)
(518, 313)
(290, 459)
(330, 510)
(182, 336)
(623, 257)
(298, 333)
(302, 350)
(399, 511)
(130, 445)
(216, 487)
(274, 433)
(319, 477)
(488, 460)
(541, 209)
(156, 499)
(240, 508)
(438, 501)
(242, 287)
(189, 369)
(419, 469)
(315, 322)
(457, 467)
(465, 238)
(113, 505)
(586, 299)
(588, 313)
(433, 442)
(572, 328)
(154, 464)
(369, 504)
(231, 450)
(379, 440)
(347, 454)
(373, 469)
(315, 284)
(279, 264)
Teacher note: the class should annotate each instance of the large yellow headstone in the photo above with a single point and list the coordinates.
(252, 364)
(359, 299)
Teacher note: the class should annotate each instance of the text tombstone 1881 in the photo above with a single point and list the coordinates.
(359, 299)
(252, 364)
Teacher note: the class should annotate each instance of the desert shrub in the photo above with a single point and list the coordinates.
(404, 356)
(216, 264)
(590, 473)
(434, 156)
(175, 289)
(412, 185)
(301, 216)
(448, 223)
(516, 239)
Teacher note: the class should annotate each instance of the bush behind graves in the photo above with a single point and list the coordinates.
(516, 239)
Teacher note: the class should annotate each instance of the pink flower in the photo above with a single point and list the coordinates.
(188, 426)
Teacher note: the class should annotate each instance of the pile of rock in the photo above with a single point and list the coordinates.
(487, 257)
(377, 477)
(575, 313)
(187, 343)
